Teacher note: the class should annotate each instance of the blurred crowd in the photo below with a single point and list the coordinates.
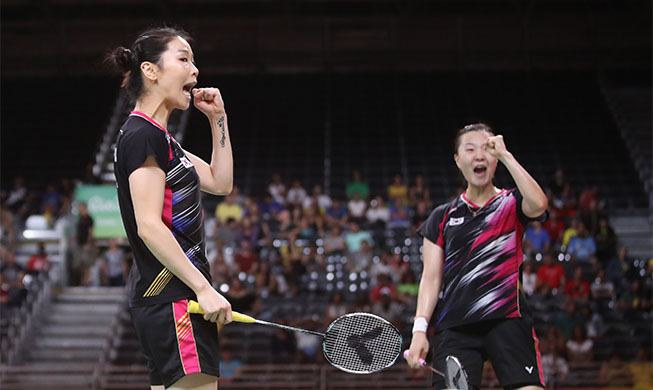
(363, 252)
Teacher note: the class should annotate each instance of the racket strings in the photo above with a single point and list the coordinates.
(362, 343)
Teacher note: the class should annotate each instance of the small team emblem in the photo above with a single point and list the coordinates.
(456, 221)
(185, 161)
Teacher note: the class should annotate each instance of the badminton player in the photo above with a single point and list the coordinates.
(472, 253)
(159, 187)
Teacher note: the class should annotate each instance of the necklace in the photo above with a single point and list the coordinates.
(474, 213)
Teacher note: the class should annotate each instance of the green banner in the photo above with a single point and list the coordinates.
(102, 202)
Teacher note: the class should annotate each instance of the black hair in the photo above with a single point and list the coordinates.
(148, 46)
(469, 128)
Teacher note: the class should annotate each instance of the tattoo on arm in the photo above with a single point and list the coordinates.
(221, 124)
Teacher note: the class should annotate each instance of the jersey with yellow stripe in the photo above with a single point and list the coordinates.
(150, 282)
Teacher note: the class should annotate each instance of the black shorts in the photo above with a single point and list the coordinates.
(510, 344)
(176, 343)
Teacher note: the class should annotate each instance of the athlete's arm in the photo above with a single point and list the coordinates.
(427, 298)
(218, 177)
(534, 202)
(147, 185)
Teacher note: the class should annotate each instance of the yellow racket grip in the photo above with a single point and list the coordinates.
(194, 307)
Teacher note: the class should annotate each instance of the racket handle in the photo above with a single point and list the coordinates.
(422, 362)
(195, 308)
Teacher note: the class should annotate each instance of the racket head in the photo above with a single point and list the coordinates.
(361, 343)
(456, 377)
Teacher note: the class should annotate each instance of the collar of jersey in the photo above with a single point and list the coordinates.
(464, 199)
(147, 118)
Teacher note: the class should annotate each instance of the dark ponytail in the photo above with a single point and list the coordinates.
(148, 47)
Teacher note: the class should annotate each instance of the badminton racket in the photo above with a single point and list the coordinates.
(455, 378)
(358, 343)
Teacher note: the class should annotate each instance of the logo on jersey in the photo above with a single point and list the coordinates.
(456, 221)
(186, 163)
(529, 369)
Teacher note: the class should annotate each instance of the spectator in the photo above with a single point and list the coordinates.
(634, 299)
(399, 214)
(357, 186)
(558, 185)
(536, 239)
(17, 194)
(590, 218)
(270, 208)
(422, 212)
(602, 289)
(114, 265)
(7, 225)
(385, 266)
(640, 369)
(550, 275)
(419, 192)
(386, 306)
(296, 194)
(334, 309)
(408, 287)
(307, 344)
(85, 251)
(529, 277)
(555, 227)
(577, 288)
(554, 365)
(356, 236)
(241, 300)
(570, 232)
(246, 259)
(277, 189)
(361, 260)
(357, 208)
(12, 275)
(229, 209)
(51, 200)
(594, 324)
(615, 371)
(580, 349)
(569, 319)
(398, 190)
(606, 242)
(384, 285)
(378, 215)
(283, 344)
(334, 242)
(38, 262)
(318, 200)
(587, 197)
(336, 213)
(250, 232)
(230, 367)
(621, 268)
(582, 247)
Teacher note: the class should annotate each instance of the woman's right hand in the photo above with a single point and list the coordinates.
(216, 307)
(419, 348)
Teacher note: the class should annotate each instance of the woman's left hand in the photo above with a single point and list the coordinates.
(209, 101)
(496, 147)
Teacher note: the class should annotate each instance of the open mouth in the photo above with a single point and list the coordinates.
(480, 170)
(188, 87)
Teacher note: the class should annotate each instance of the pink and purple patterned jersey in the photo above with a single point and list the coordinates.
(482, 254)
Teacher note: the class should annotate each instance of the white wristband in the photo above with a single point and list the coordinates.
(420, 325)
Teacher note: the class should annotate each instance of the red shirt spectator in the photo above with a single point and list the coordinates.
(39, 261)
(554, 226)
(578, 288)
(384, 287)
(550, 274)
(246, 259)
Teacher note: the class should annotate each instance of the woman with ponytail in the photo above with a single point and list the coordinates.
(159, 186)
